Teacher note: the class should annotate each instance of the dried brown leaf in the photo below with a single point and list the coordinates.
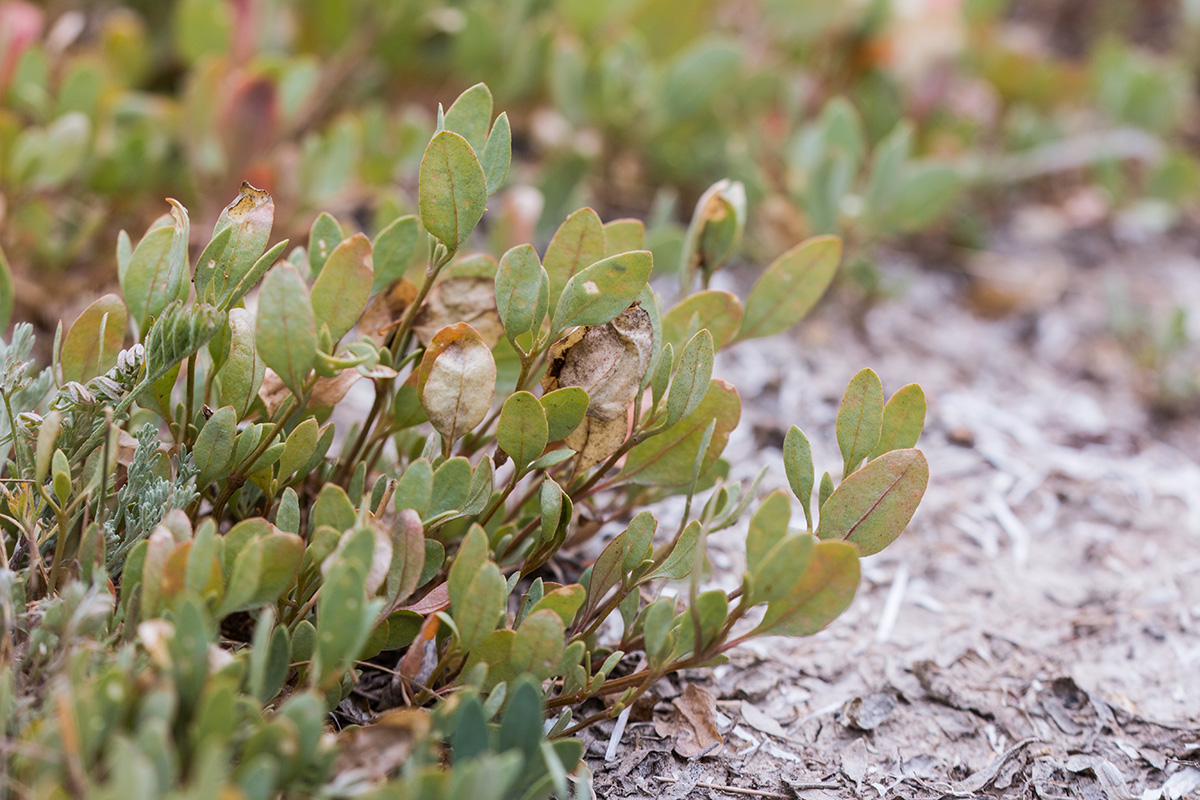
(376, 751)
(386, 310)
(468, 299)
(693, 725)
(607, 361)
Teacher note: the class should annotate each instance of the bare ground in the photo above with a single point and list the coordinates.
(1036, 631)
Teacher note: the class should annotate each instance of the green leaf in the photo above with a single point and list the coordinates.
(243, 371)
(887, 168)
(719, 312)
(470, 115)
(668, 458)
(690, 384)
(299, 447)
(154, 276)
(798, 464)
(343, 623)
(477, 590)
(522, 430)
(778, 570)
(285, 332)
(332, 508)
(7, 295)
(538, 646)
(340, 292)
(414, 488)
(551, 459)
(323, 238)
(903, 420)
(91, 346)
(872, 506)
(859, 419)
(213, 451)
(287, 518)
(790, 287)
(825, 490)
(712, 607)
(623, 235)
(639, 538)
(393, 251)
(598, 293)
(656, 625)
(452, 192)
(578, 243)
(823, 592)
(682, 560)
(926, 193)
(522, 291)
(451, 486)
(565, 601)
(565, 409)
(234, 295)
(768, 527)
(282, 556)
(226, 261)
(497, 153)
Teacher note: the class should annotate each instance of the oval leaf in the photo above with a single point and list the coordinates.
(91, 346)
(285, 332)
(522, 291)
(522, 430)
(340, 292)
(872, 506)
(859, 419)
(669, 458)
(456, 381)
(578, 243)
(597, 294)
(790, 287)
(452, 194)
(720, 312)
(903, 420)
(822, 592)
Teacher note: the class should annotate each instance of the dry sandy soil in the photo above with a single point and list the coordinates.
(1036, 631)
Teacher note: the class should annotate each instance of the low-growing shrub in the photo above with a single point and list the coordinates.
(198, 574)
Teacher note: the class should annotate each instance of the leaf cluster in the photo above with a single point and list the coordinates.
(188, 500)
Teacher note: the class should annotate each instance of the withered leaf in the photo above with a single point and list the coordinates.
(607, 361)
(596, 439)
(693, 725)
(456, 380)
(383, 747)
(325, 392)
(386, 310)
(462, 299)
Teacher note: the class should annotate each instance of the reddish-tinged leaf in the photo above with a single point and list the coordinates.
(822, 593)
(872, 506)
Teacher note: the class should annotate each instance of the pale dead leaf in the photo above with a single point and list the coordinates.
(384, 313)
(595, 440)
(760, 721)
(325, 392)
(469, 300)
(374, 752)
(607, 361)
(693, 725)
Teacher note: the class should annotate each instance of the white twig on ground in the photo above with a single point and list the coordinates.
(891, 606)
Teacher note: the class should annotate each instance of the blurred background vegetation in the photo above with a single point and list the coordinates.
(911, 121)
